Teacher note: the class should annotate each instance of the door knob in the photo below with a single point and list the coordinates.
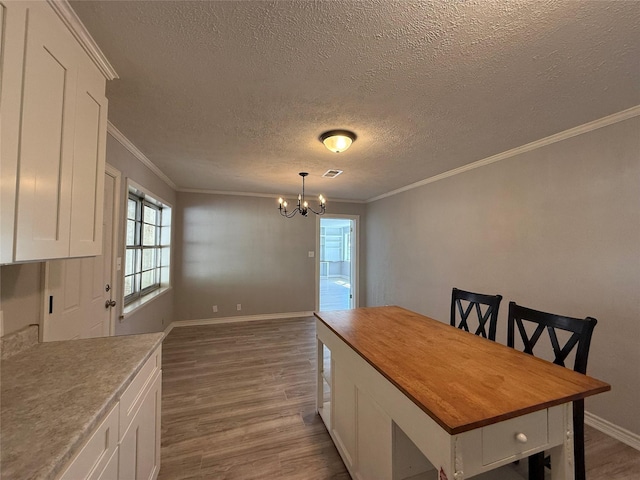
(109, 303)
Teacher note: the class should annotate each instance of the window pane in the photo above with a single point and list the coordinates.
(165, 236)
(128, 286)
(150, 215)
(148, 279)
(148, 234)
(131, 209)
(129, 263)
(131, 233)
(148, 258)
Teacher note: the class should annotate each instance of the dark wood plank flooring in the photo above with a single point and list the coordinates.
(239, 403)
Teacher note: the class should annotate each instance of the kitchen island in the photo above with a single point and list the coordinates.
(403, 395)
(57, 399)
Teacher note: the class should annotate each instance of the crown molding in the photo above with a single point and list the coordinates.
(250, 194)
(126, 143)
(572, 132)
(82, 35)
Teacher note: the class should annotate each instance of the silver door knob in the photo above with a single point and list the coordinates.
(109, 303)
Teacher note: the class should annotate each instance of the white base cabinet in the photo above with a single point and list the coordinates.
(126, 444)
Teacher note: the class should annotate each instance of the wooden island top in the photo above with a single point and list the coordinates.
(460, 380)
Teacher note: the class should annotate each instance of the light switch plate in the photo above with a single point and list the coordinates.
(312, 254)
(118, 264)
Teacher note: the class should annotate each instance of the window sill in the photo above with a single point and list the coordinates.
(141, 302)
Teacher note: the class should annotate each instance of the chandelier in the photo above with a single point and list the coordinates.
(303, 206)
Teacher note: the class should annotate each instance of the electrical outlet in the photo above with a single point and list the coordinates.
(215, 309)
(239, 307)
(312, 254)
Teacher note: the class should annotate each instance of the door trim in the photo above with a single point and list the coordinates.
(117, 179)
(355, 266)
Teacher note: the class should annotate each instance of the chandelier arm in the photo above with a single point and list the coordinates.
(321, 212)
(290, 214)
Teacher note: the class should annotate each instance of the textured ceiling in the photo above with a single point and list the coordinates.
(232, 96)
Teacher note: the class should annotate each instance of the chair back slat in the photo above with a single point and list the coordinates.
(475, 303)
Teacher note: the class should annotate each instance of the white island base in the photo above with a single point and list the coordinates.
(381, 434)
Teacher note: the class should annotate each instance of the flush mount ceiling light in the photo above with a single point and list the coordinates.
(303, 206)
(337, 140)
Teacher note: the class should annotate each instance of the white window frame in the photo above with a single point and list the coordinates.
(162, 243)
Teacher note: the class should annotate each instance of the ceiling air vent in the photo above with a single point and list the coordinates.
(332, 173)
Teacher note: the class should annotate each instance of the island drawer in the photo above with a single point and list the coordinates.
(506, 439)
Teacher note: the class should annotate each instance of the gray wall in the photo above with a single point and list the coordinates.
(21, 295)
(238, 249)
(556, 229)
(156, 315)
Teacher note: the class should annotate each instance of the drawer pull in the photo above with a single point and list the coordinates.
(521, 437)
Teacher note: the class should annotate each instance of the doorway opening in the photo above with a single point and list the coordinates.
(337, 263)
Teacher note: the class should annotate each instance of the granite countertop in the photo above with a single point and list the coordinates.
(54, 394)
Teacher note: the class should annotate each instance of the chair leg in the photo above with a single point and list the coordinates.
(536, 466)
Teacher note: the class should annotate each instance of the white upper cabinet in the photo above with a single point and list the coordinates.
(54, 123)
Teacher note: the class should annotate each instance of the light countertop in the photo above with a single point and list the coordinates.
(54, 394)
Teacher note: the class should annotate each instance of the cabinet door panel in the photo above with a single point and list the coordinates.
(88, 163)
(140, 445)
(46, 139)
(13, 19)
(374, 440)
(343, 415)
(110, 472)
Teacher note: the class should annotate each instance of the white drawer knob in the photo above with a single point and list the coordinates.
(521, 437)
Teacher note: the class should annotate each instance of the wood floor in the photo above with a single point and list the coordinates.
(239, 400)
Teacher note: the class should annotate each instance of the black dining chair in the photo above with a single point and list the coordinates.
(580, 331)
(472, 303)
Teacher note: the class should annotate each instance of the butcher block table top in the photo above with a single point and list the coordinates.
(460, 380)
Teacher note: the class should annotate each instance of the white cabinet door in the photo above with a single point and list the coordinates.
(13, 20)
(97, 453)
(343, 414)
(88, 162)
(46, 139)
(374, 440)
(140, 445)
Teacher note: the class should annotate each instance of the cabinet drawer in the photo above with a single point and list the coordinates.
(90, 462)
(133, 396)
(511, 437)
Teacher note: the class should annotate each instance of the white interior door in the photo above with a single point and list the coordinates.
(79, 291)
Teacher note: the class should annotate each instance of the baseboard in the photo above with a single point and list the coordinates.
(168, 329)
(243, 318)
(619, 433)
